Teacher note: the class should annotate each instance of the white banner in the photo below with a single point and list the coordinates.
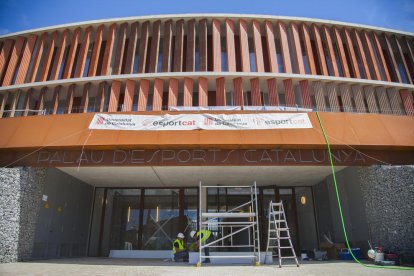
(201, 121)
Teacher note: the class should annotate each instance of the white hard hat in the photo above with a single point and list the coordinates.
(180, 235)
(192, 233)
(371, 253)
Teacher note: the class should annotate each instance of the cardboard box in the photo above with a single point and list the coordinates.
(332, 249)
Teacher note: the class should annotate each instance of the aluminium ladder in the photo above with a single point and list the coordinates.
(246, 221)
(278, 230)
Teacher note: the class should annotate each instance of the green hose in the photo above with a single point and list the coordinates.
(340, 207)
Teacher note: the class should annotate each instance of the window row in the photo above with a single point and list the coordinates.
(207, 45)
(167, 94)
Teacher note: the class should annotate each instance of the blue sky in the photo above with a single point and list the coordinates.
(18, 15)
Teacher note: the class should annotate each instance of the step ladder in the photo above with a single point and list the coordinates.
(278, 230)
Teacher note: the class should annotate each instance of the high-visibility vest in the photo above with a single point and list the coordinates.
(205, 235)
(180, 245)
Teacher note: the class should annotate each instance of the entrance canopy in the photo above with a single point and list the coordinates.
(185, 176)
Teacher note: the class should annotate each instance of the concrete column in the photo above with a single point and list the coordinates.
(402, 58)
(216, 45)
(93, 65)
(191, 46)
(4, 54)
(120, 47)
(48, 56)
(55, 99)
(25, 62)
(188, 91)
(83, 53)
(289, 93)
(297, 48)
(319, 49)
(157, 96)
(70, 59)
(220, 92)
(308, 49)
(85, 98)
(59, 55)
(202, 92)
(341, 52)
(129, 95)
(394, 66)
(172, 92)
(318, 87)
(358, 99)
(381, 57)
(13, 60)
(395, 100)
(271, 47)
(305, 93)
(257, 44)
(384, 103)
(238, 91)
(332, 89)
(178, 47)
(284, 46)
(345, 91)
(132, 44)
(143, 47)
(101, 97)
(273, 92)
(106, 64)
(230, 46)
(407, 99)
(166, 47)
(143, 95)
(362, 56)
(244, 46)
(351, 52)
(114, 96)
(331, 52)
(371, 55)
(202, 47)
(255, 92)
(371, 101)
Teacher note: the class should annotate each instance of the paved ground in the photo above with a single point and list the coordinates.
(118, 267)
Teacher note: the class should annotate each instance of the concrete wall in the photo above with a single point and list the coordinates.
(377, 205)
(306, 219)
(32, 226)
(63, 222)
(20, 195)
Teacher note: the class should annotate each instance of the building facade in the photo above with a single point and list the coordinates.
(69, 189)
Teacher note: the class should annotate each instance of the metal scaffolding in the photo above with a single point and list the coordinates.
(220, 220)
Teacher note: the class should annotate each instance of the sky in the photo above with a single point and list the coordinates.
(20, 15)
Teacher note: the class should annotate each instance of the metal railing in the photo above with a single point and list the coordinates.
(121, 108)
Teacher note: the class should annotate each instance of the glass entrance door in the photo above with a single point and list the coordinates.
(141, 219)
(161, 218)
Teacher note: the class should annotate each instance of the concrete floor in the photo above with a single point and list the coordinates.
(117, 267)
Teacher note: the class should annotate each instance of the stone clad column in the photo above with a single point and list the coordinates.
(20, 196)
